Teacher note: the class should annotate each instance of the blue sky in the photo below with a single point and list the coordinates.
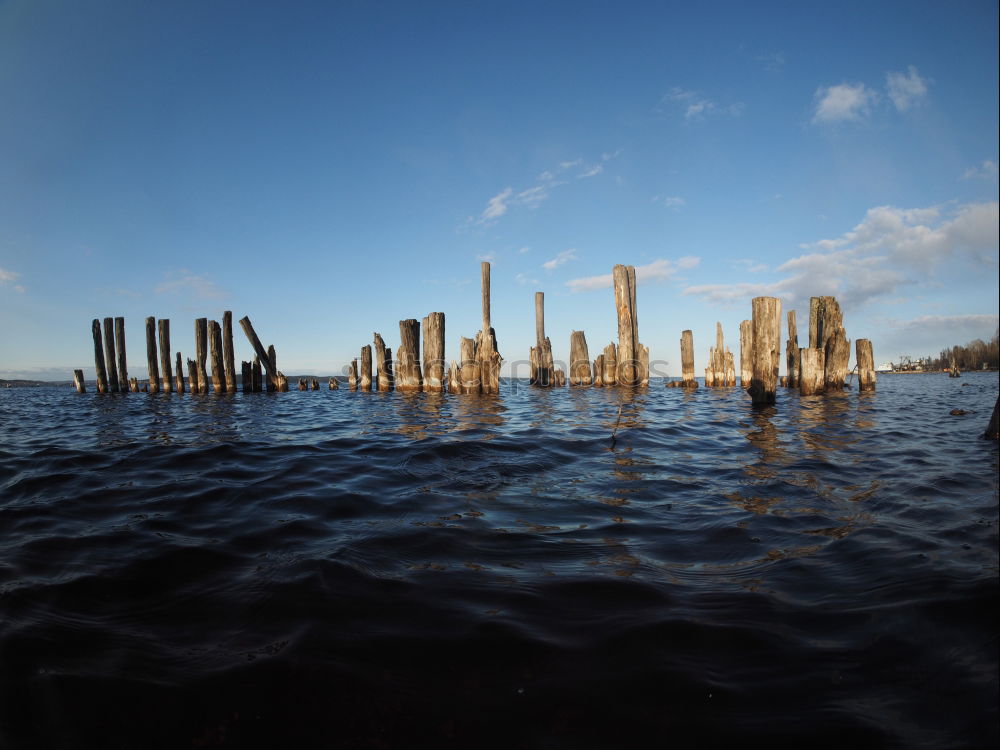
(331, 168)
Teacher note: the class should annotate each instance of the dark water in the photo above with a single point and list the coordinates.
(339, 569)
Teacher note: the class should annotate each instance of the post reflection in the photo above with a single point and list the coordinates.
(476, 411)
(419, 415)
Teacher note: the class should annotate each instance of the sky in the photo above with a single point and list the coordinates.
(331, 168)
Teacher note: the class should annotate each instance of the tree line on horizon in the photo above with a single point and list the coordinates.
(972, 356)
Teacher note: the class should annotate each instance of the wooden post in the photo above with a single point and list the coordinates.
(78, 381)
(257, 375)
(628, 338)
(168, 379)
(454, 378)
(866, 364)
(120, 347)
(579, 359)
(247, 327)
(558, 378)
(281, 383)
(792, 352)
(304, 387)
(383, 359)
(434, 352)
(246, 375)
(315, 384)
(540, 355)
(179, 377)
(766, 320)
(201, 352)
(352, 376)
(133, 385)
(228, 356)
(334, 385)
(154, 371)
(471, 372)
(109, 355)
(729, 373)
(215, 348)
(746, 353)
(272, 379)
(408, 375)
(599, 371)
(610, 375)
(993, 428)
(687, 360)
(365, 382)
(836, 359)
(810, 371)
(485, 350)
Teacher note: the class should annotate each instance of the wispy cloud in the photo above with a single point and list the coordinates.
(659, 270)
(591, 172)
(890, 249)
(670, 201)
(773, 61)
(525, 280)
(947, 322)
(8, 278)
(750, 266)
(698, 107)
(524, 249)
(561, 259)
(906, 89)
(843, 103)
(497, 205)
(184, 282)
(985, 171)
(487, 257)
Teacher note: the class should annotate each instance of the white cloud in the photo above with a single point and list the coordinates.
(524, 280)
(592, 172)
(6, 276)
(524, 249)
(891, 248)
(844, 102)
(906, 89)
(496, 206)
(660, 269)
(563, 165)
(697, 107)
(773, 61)
(670, 201)
(185, 282)
(947, 322)
(985, 171)
(750, 266)
(561, 259)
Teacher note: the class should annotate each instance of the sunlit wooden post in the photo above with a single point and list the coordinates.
(123, 380)
(383, 360)
(228, 355)
(365, 381)
(179, 377)
(866, 364)
(408, 375)
(201, 352)
(628, 335)
(433, 336)
(746, 353)
(78, 381)
(163, 325)
(485, 351)
(792, 365)
(687, 360)
(579, 360)
(810, 371)
(109, 355)
(766, 320)
(836, 359)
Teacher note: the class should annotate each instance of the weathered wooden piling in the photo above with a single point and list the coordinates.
(246, 377)
(302, 385)
(540, 355)
(201, 352)
(579, 360)
(109, 355)
(352, 375)
(811, 368)
(273, 385)
(163, 325)
(866, 364)
(258, 375)
(123, 380)
(228, 356)
(599, 371)
(365, 380)
(721, 371)
(485, 351)
(215, 349)
(610, 374)
(471, 367)
(835, 360)
(627, 360)
(133, 385)
(179, 377)
(408, 374)
(766, 352)
(334, 385)
(687, 360)
(258, 348)
(792, 352)
(454, 378)
(558, 378)
(154, 369)
(281, 383)
(315, 384)
(746, 353)
(383, 360)
(78, 381)
(433, 354)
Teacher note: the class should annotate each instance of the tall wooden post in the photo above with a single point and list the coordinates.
(471, 373)
(164, 328)
(579, 359)
(540, 355)
(228, 356)
(154, 370)
(192, 368)
(746, 353)
(215, 348)
(201, 352)
(408, 375)
(434, 352)
(810, 371)
(486, 343)
(610, 364)
(628, 327)
(123, 381)
(365, 381)
(78, 381)
(383, 360)
(687, 360)
(866, 364)
(792, 352)
(258, 348)
(599, 371)
(273, 384)
(766, 320)
(109, 355)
